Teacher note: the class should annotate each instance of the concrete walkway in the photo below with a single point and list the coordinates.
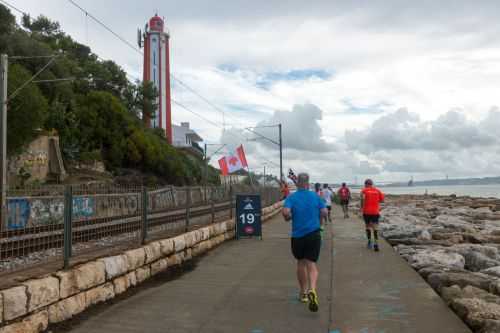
(249, 286)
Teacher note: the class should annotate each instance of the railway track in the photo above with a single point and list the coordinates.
(17, 244)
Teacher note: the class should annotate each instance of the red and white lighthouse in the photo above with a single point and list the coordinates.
(157, 71)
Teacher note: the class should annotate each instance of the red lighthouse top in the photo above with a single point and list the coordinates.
(156, 23)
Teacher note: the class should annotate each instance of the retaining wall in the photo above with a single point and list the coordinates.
(33, 305)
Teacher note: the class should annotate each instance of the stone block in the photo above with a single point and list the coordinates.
(115, 266)
(188, 254)
(153, 252)
(189, 239)
(179, 243)
(67, 308)
(35, 323)
(167, 247)
(15, 302)
(205, 233)
(142, 274)
(42, 292)
(81, 278)
(100, 294)
(159, 266)
(121, 284)
(136, 258)
(132, 279)
(175, 259)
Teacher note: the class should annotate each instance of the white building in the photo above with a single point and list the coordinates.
(185, 137)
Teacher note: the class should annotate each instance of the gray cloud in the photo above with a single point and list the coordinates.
(301, 130)
(403, 130)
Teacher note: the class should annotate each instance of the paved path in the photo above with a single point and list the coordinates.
(249, 286)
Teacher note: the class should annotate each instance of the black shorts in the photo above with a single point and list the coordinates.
(371, 218)
(307, 247)
(329, 208)
(344, 202)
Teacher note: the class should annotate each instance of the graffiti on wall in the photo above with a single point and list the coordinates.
(160, 200)
(18, 213)
(116, 205)
(36, 158)
(47, 211)
(83, 207)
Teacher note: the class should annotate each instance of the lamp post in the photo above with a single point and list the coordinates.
(279, 143)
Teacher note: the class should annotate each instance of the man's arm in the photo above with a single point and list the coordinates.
(287, 213)
(361, 201)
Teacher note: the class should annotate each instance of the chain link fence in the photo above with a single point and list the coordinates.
(55, 223)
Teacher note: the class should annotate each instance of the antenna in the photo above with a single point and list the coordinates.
(139, 38)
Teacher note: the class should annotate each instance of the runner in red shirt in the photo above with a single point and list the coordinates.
(345, 195)
(371, 197)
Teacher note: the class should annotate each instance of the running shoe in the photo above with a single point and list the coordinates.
(369, 245)
(375, 247)
(303, 298)
(313, 301)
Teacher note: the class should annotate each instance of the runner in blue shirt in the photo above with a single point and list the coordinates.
(307, 212)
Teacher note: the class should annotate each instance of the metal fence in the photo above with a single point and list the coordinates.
(54, 224)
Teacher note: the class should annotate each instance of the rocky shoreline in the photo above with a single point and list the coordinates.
(453, 243)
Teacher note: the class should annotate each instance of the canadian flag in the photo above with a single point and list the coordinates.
(234, 162)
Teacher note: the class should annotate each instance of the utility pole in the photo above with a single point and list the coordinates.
(264, 175)
(281, 153)
(3, 138)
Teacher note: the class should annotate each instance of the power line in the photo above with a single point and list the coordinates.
(105, 27)
(12, 6)
(14, 94)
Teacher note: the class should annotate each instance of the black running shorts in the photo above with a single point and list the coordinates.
(371, 218)
(307, 247)
(344, 202)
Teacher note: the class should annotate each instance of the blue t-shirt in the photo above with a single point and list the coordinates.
(305, 206)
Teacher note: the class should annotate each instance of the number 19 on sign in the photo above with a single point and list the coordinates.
(248, 214)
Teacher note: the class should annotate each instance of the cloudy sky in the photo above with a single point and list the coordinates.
(387, 89)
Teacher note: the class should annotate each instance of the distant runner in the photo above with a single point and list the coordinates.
(344, 195)
(320, 193)
(285, 190)
(371, 197)
(306, 210)
(327, 196)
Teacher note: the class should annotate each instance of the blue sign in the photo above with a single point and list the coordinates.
(248, 216)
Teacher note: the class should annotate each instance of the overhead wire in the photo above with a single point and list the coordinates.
(192, 90)
(12, 7)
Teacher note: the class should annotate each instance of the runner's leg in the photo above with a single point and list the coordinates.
(375, 235)
(312, 274)
(302, 274)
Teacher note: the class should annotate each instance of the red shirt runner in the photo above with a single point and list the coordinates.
(372, 198)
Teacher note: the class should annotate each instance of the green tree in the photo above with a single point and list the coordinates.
(26, 111)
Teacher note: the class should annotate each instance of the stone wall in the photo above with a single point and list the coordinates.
(41, 159)
(35, 304)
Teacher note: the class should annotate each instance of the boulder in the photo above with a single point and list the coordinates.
(136, 258)
(42, 292)
(67, 308)
(440, 257)
(35, 323)
(115, 266)
(100, 294)
(491, 326)
(476, 261)
(493, 271)
(15, 302)
(475, 311)
(462, 279)
(81, 278)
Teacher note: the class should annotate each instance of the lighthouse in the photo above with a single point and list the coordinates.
(157, 71)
